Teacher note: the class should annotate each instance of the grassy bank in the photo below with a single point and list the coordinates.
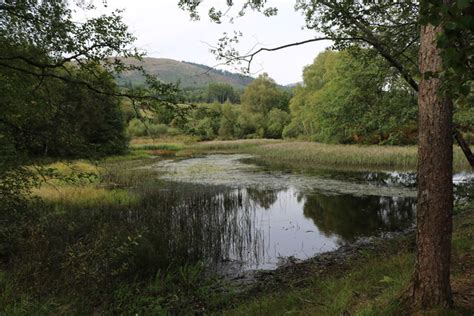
(97, 244)
(300, 153)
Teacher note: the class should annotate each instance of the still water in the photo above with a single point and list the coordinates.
(235, 214)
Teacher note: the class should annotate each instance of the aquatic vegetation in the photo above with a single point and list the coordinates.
(153, 235)
(367, 157)
(229, 170)
(225, 145)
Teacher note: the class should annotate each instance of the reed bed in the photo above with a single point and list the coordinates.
(317, 154)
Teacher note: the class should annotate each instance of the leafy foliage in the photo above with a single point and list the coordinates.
(353, 96)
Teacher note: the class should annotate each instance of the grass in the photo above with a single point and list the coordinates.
(232, 145)
(316, 154)
(367, 288)
(99, 235)
(78, 184)
(302, 153)
(84, 196)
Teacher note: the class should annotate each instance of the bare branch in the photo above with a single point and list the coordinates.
(248, 58)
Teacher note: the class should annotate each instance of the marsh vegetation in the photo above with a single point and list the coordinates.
(182, 225)
(123, 192)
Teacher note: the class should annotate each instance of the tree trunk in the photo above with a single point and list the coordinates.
(431, 286)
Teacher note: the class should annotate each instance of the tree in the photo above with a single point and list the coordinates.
(221, 92)
(61, 119)
(352, 96)
(277, 120)
(228, 123)
(47, 58)
(391, 28)
(435, 173)
(58, 96)
(260, 98)
(203, 121)
(261, 95)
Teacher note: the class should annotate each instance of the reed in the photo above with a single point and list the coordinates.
(310, 154)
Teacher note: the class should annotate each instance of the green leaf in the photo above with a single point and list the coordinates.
(465, 89)
(463, 4)
(451, 25)
(386, 279)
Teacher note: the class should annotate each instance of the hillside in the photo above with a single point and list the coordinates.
(190, 75)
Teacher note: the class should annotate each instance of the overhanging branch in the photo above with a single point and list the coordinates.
(384, 53)
(248, 58)
(84, 84)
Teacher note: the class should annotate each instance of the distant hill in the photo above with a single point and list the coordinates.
(292, 85)
(190, 75)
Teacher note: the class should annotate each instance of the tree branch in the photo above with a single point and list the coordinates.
(465, 147)
(250, 56)
(84, 83)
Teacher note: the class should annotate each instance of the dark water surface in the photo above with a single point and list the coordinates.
(232, 213)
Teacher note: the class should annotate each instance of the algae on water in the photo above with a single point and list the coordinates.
(229, 170)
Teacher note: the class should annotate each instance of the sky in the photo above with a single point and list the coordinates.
(163, 30)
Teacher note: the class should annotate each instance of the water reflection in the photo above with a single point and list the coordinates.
(264, 198)
(229, 214)
(351, 217)
(249, 228)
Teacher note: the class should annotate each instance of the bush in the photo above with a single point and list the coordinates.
(138, 128)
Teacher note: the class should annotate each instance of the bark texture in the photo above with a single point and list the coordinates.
(431, 285)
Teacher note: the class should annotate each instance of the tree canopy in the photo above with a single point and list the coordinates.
(353, 96)
(59, 72)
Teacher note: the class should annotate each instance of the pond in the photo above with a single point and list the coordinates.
(235, 214)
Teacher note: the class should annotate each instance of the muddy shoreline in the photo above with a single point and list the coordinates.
(295, 272)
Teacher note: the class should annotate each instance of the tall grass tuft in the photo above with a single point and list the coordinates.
(84, 196)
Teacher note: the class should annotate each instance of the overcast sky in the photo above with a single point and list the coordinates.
(163, 30)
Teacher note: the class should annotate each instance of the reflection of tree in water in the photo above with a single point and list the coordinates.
(350, 217)
(407, 179)
(464, 192)
(264, 198)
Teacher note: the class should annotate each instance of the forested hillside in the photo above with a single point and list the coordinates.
(190, 75)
